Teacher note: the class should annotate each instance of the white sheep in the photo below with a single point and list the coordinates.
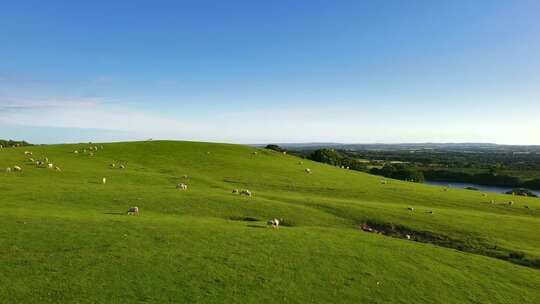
(245, 192)
(133, 211)
(8, 169)
(17, 168)
(50, 166)
(308, 170)
(104, 180)
(410, 209)
(274, 223)
(181, 186)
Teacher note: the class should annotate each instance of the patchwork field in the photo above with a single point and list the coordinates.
(65, 236)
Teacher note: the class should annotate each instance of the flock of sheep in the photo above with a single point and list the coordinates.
(46, 163)
(39, 163)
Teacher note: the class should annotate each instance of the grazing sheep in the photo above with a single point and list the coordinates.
(284, 152)
(383, 181)
(113, 165)
(122, 167)
(235, 191)
(308, 170)
(8, 170)
(57, 168)
(50, 166)
(31, 160)
(104, 180)
(133, 211)
(76, 152)
(27, 153)
(181, 186)
(410, 209)
(274, 223)
(408, 236)
(300, 162)
(255, 153)
(245, 192)
(17, 168)
(510, 203)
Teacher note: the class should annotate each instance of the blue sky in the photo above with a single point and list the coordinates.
(271, 71)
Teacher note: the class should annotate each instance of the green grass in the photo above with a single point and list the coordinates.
(64, 236)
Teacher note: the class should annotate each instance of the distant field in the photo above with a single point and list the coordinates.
(65, 236)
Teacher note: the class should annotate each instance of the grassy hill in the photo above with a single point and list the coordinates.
(64, 235)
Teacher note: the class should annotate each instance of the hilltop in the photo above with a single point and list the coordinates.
(65, 236)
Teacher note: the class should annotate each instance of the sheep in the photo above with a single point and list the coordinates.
(410, 208)
(300, 162)
(492, 202)
(274, 223)
(104, 180)
(76, 152)
(284, 152)
(133, 211)
(185, 176)
(308, 171)
(383, 182)
(50, 166)
(8, 169)
(235, 191)
(46, 159)
(245, 192)
(113, 165)
(17, 168)
(510, 203)
(254, 153)
(31, 160)
(27, 153)
(408, 236)
(122, 167)
(181, 186)
(57, 168)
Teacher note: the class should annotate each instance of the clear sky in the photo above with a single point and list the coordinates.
(271, 71)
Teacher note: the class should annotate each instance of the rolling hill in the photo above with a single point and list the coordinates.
(65, 236)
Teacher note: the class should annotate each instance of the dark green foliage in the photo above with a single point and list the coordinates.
(400, 171)
(13, 143)
(334, 158)
(522, 192)
(275, 148)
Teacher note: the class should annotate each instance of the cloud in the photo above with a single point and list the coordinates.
(8, 103)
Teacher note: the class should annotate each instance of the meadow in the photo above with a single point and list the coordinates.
(65, 236)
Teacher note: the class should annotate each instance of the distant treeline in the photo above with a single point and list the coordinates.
(13, 143)
(335, 158)
(486, 179)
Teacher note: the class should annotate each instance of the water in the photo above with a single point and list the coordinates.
(479, 187)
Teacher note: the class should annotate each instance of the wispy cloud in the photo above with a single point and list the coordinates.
(16, 103)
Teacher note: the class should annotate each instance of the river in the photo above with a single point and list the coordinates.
(479, 187)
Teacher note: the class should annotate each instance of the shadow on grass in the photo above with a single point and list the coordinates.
(115, 213)
(256, 226)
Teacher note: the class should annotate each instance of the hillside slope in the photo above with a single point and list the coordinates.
(65, 236)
